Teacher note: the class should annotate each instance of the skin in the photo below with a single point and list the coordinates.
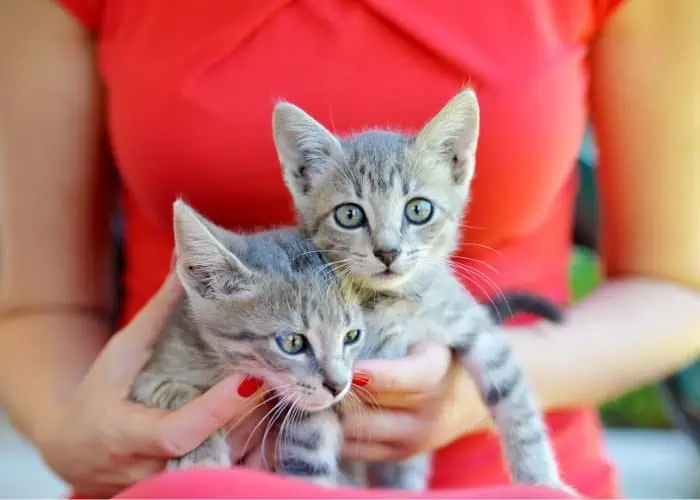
(54, 287)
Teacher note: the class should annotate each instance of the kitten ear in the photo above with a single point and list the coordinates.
(205, 266)
(453, 134)
(306, 149)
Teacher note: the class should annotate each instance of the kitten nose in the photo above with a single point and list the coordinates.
(334, 387)
(386, 256)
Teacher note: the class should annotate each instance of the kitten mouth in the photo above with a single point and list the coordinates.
(386, 272)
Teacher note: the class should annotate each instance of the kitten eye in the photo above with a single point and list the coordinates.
(349, 215)
(291, 343)
(352, 337)
(419, 211)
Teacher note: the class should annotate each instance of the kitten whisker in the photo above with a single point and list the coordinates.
(464, 225)
(285, 423)
(331, 265)
(262, 420)
(475, 273)
(359, 407)
(281, 409)
(479, 245)
(231, 428)
(464, 274)
(481, 262)
(370, 400)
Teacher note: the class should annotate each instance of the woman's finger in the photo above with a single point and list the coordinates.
(392, 400)
(382, 426)
(106, 484)
(256, 460)
(421, 370)
(246, 433)
(141, 469)
(371, 452)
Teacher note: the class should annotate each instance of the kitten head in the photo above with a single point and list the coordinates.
(267, 305)
(382, 206)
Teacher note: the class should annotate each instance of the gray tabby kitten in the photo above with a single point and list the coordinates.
(264, 304)
(385, 209)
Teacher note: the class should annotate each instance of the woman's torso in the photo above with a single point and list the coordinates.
(190, 88)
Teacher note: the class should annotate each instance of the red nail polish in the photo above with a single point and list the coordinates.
(360, 379)
(249, 386)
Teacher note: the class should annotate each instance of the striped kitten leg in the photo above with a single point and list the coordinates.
(309, 447)
(411, 474)
(489, 358)
(172, 395)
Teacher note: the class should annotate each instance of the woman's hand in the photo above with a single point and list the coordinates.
(414, 404)
(100, 442)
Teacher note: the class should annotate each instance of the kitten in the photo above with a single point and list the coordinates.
(384, 209)
(267, 305)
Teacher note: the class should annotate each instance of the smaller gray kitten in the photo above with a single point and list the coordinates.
(264, 304)
(385, 209)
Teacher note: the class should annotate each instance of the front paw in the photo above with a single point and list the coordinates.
(565, 488)
(201, 458)
(325, 481)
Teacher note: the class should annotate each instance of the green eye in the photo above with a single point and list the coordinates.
(352, 337)
(349, 215)
(291, 343)
(419, 211)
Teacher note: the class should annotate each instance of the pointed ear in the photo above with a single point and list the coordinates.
(306, 149)
(453, 134)
(205, 266)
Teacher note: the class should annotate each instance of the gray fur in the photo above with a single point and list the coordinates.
(382, 171)
(240, 291)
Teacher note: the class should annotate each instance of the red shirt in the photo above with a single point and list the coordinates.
(190, 88)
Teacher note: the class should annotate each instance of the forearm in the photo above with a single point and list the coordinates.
(628, 333)
(42, 360)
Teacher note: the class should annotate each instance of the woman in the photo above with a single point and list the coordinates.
(183, 92)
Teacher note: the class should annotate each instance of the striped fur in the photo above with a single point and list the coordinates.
(240, 293)
(417, 295)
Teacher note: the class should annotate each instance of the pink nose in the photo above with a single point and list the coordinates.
(333, 387)
(386, 256)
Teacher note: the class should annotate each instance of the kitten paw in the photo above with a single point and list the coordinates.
(417, 484)
(190, 461)
(327, 482)
(565, 488)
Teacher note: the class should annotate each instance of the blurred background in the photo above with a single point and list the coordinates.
(652, 433)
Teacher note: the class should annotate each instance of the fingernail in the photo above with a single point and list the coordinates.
(360, 379)
(249, 386)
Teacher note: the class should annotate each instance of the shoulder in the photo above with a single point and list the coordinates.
(87, 12)
(605, 8)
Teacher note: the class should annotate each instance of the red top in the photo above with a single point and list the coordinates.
(190, 88)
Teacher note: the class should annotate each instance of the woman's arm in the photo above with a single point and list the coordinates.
(53, 210)
(644, 323)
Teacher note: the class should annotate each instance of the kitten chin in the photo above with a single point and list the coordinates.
(383, 281)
